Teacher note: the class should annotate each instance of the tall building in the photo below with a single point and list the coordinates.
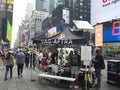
(46, 5)
(79, 9)
(52, 5)
(42, 5)
(29, 8)
(6, 13)
(36, 22)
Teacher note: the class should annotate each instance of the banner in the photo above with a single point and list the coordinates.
(99, 35)
(9, 31)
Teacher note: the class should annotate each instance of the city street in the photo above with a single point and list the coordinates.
(27, 82)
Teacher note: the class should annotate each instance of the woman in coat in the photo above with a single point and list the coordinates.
(9, 64)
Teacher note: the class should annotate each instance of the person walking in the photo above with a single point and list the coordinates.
(75, 60)
(20, 60)
(33, 59)
(3, 58)
(26, 59)
(9, 63)
(98, 65)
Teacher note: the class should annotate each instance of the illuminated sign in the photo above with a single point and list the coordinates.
(104, 10)
(99, 35)
(56, 41)
(111, 31)
(116, 28)
(105, 1)
(10, 1)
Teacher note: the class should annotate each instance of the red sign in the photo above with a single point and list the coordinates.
(105, 1)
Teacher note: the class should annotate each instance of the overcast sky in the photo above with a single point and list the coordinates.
(18, 15)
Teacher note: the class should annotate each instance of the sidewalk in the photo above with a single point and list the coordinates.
(16, 83)
(25, 82)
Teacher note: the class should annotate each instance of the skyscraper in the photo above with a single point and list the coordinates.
(80, 10)
(42, 5)
(6, 13)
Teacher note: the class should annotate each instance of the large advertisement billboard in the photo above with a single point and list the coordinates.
(6, 13)
(66, 15)
(99, 35)
(104, 10)
(111, 31)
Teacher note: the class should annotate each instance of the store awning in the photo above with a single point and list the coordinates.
(83, 24)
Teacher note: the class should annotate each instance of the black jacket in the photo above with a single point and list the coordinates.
(99, 61)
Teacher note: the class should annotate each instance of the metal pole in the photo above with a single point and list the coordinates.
(86, 77)
(32, 67)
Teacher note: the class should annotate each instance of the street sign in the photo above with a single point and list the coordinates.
(86, 54)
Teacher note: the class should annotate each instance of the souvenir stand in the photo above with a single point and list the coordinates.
(64, 39)
(68, 39)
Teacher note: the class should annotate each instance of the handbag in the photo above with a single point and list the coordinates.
(103, 65)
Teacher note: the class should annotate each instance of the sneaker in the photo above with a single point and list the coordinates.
(5, 79)
(19, 76)
(76, 86)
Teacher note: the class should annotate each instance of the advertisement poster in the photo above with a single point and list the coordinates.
(86, 54)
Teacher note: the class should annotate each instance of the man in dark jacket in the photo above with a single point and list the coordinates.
(98, 63)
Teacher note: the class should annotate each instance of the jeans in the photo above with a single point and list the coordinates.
(98, 76)
(20, 69)
(7, 69)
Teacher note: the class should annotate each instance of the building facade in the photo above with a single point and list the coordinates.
(6, 14)
(35, 24)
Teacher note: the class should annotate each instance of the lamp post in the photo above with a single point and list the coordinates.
(32, 64)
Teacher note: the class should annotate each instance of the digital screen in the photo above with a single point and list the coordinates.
(104, 10)
(99, 35)
(52, 32)
(111, 31)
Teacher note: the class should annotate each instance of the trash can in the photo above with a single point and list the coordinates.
(113, 72)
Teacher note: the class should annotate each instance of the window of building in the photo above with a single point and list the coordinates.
(85, 15)
(81, 16)
(81, 4)
(85, 11)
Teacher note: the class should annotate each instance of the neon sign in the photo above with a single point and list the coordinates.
(105, 1)
(116, 28)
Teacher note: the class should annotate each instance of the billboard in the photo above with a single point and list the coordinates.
(66, 15)
(111, 31)
(6, 13)
(104, 10)
(99, 35)
(52, 32)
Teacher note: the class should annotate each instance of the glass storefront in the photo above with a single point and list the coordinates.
(112, 50)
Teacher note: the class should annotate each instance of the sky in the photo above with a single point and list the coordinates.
(18, 16)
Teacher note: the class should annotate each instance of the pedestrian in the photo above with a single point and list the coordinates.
(33, 60)
(98, 65)
(40, 56)
(3, 57)
(26, 59)
(54, 65)
(9, 63)
(75, 60)
(20, 60)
